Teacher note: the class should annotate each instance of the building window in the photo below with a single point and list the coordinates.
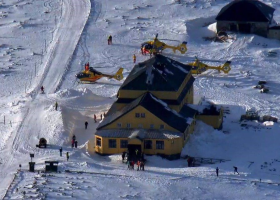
(148, 144)
(137, 115)
(123, 143)
(142, 115)
(112, 143)
(119, 125)
(159, 144)
(128, 125)
(98, 142)
(140, 125)
(152, 126)
(161, 127)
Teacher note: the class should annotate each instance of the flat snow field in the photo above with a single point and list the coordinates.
(46, 42)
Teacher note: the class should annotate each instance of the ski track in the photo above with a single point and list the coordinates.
(56, 61)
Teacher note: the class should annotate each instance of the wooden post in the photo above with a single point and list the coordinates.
(35, 71)
(30, 79)
(45, 45)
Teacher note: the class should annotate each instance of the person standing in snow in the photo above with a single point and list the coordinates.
(110, 39)
(123, 156)
(235, 170)
(56, 105)
(217, 171)
(60, 151)
(134, 58)
(74, 138)
(76, 144)
(73, 143)
(67, 156)
(42, 90)
(86, 124)
(142, 164)
(138, 165)
(94, 116)
(101, 116)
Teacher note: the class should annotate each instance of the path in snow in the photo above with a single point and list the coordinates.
(59, 54)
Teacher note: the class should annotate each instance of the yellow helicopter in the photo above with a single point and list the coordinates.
(91, 75)
(198, 67)
(156, 46)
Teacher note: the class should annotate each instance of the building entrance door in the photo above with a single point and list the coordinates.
(134, 152)
(244, 28)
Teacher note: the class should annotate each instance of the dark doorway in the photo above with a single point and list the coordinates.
(233, 27)
(134, 152)
(244, 28)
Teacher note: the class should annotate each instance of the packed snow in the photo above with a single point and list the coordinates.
(47, 42)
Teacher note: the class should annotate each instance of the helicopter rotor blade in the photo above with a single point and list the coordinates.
(204, 60)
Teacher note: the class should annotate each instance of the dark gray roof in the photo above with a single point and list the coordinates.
(145, 134)
(156, 74)
(168, 101)
(187, 111)
(153, 105)
(277, 27)
(246, 10)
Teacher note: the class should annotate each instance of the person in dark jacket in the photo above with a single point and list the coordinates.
(142, 164)
(123, 156)
(60, 151)
(217, 171)
(67, 156)
(110, 39)
(86, 124)
(56, 105)
(235, 170)
(73, 143)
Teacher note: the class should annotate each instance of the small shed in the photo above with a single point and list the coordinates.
(245, 16)
(274, 32)
(51, 166)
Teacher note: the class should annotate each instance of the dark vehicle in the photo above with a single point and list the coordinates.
(42, 143)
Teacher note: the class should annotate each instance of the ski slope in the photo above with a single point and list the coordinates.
(55, 64)
(52, 40)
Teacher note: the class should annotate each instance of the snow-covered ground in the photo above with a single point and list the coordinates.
(46, 42)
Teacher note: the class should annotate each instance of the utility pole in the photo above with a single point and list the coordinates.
(35, 70)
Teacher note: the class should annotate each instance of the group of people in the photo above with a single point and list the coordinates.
(191, 161)
(95, 118)
(140, 165)
(74, 142)
(67, 153)
(234, 170)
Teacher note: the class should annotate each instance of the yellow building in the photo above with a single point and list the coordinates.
(152, 114)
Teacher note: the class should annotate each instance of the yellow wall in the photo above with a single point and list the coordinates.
(171, 146)
(91, 146)
(104, 149)
(146, 122)
(213, 120)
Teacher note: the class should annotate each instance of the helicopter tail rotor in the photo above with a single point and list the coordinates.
(182, 48)
(119, 75)
(226, 67)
